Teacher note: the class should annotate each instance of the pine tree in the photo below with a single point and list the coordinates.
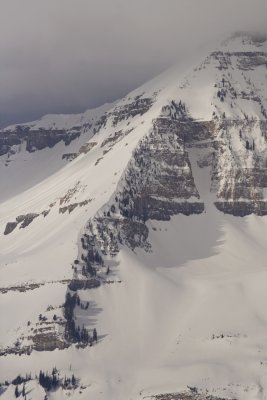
(41, 378)
(17, 391)
(95, 335)
(73, 380)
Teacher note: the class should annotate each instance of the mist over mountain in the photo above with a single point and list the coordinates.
(64, 57)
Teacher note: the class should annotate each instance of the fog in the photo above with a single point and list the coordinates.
(66, 56)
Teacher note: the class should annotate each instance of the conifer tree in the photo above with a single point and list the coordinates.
(73, 380)
(95, 335)
(17, 391)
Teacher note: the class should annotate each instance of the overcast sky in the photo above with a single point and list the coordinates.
(69, 55)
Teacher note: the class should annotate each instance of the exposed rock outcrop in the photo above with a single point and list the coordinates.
(83, 284)
(139, 106)
(34, 139)
(193, 395)
(242, 208)
(10, 226)
(40, 139)
(23, 220)
(157, 184)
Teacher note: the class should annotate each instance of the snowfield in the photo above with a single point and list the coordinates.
(190, 311)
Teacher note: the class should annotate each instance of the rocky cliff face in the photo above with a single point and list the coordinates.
(36, 139)
(239, 174)
(159, 181)
(157, 184)
(52, 129)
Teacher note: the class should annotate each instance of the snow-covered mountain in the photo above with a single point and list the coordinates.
(124, 225)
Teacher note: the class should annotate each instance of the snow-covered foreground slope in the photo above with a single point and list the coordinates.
(177, 288)
(161, 328)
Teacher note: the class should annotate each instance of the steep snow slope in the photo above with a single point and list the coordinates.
(183, 303)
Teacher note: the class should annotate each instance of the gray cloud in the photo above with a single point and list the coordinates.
(69, 55)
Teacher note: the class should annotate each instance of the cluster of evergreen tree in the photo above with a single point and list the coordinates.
(84, 305)
(20, 379)
(70, 303)
(174, 111)
(91, 259)
(49, 381)
(94, 257)
(221, 94)
(180, 107)
(88, 269)
(70, 382)
(77, 335)
(42, 318)
(72, 333)
(21, 393)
